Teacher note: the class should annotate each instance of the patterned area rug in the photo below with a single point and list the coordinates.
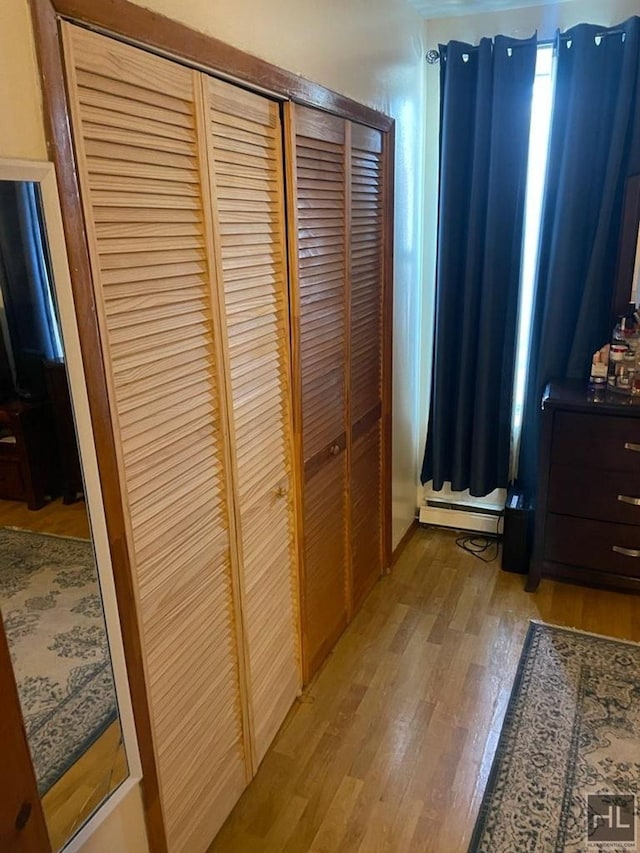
(53, 619)
(572, 728)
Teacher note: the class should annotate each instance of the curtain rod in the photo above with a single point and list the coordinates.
(433, 56)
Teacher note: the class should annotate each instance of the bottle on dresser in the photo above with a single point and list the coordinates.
(624, 354)
(598, 378)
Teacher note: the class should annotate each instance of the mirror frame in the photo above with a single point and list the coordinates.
(43, 174)
(628, 246)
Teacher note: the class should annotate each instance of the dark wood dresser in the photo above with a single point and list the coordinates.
(587, 526)
(27, 452)
(55, 374)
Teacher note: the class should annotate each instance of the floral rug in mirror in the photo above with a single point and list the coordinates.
(568, 758)
(52, 611)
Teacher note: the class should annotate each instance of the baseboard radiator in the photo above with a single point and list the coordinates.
(462, 511)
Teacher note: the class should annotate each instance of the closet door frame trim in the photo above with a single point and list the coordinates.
(130, 23)
(136, 25)
(388, 195)
(348, 546)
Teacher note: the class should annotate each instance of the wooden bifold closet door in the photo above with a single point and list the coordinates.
(319, 260)
(366, 285)
(336, 171)
(182, 189)
(248, 196)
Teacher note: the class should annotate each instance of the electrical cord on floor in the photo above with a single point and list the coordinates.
(478, 546)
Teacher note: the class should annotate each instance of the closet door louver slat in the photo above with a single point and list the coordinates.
(325, 604)
(321, 279)
(366, 271)
(247, 177)
(135, 124)
(366, 513)
(366, 267)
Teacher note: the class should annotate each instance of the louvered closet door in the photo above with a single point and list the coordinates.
(366, 294)
(135, 123)
(248, 186)
(320, 204)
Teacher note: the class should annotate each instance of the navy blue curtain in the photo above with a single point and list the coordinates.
(26, 286)
(594, 147)
(486, 94)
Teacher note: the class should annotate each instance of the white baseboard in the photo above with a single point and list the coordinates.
(476, 522)
(460, 510)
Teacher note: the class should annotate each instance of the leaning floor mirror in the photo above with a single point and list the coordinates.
(52, 534)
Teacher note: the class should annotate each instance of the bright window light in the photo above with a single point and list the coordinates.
(536, 174)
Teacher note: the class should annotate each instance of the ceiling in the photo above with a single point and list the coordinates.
(456, 8)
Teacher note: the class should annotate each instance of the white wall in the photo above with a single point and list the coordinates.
(519, 23)
(22, 130)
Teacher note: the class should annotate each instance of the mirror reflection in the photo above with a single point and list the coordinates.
(50, 595)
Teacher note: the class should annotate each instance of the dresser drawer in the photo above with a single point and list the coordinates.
(12, 486)
(9, 450)
(596, 441)
(590, 544)
(595, 494)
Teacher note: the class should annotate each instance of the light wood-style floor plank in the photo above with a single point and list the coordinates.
(389, 749)
(54, 517)
(87, 783)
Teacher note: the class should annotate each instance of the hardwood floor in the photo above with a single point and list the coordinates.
(389, 749)
(75, 796)
(54, 517)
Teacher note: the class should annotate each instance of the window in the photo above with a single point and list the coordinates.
(536, 174)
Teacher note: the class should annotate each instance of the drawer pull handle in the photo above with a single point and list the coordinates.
(626, 552)
(629, 445)
(625, 499)
(335, 450)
